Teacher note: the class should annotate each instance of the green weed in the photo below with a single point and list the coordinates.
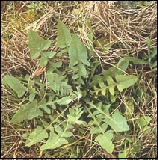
(75, 94)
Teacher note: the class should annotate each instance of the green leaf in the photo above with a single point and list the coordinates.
(112, 71)
(99, 129)
(55, 82)
(148, 41)
(56, 140)
(136, 60)
(74, 120)
(43, 61)
(49, 54)
(77, 52)
(31, 97)
(45, 108)
(105, 141)
(146, 130)
(125, 81)
(37, 44)
(123, 64)
(129, 108)
(36, 136)
(111, 84)
(103, 88)
(64, 100)
(15, 84)
(64, 133)
(75, 114)
(27, 112)
(118, 122)
(83, 70)
(63, 51)
(51, 104)
(154, 53)
(53, 66)
(143, 121)
(78, 58)
(64, 36)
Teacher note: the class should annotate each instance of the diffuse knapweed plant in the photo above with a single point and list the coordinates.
(72, 94)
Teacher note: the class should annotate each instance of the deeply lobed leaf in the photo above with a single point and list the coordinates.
(15, 84)
(27, 112)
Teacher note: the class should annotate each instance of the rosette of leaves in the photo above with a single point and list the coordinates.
(69, 94)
